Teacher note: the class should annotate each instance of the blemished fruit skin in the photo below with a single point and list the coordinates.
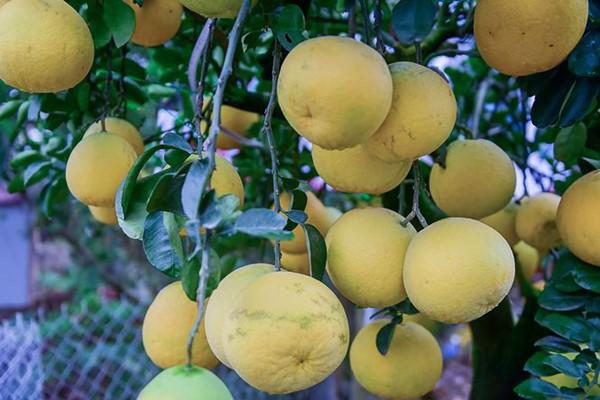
(578, 218)
(167, 326)
(185, 383)
(215, 8)
(221, 300)
(536, 221)
(410, 369)
(504, 222)
(46, 46)
(156, 22)
(317, 216)
(422, 116)
(298, 263)
(298, 325)
(366, 249)
(97, 166)
(333, 104)
(236, 120)
(528, 258)
(355, 170)
(121, 128)
(104, 215)
(521, 38)
(478, 179)
(458, 269)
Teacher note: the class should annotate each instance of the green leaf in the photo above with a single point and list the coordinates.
(82, 94)
(412, 20)
(298, 217)
(25, 158)
(536, 365)
(195, 182)
(298, 203)
(120, 20)
(563, 365)
(218, 210)
(190, 277)
(219, 268)
(317, 251)
(569, 326)
(580, 101)
(9, 108)
(262, 222)
(158, 92)
(406, 307)
(549, 101)
(554, 300)
(557, 345)
(55, 194)
(587, 276)
(289, 184)
(585, 59)
(98, 28)
(288, 24)
(537, 389)
(162, 244)
(35, 172)
(384, 337)
(175, 141)
(166, 195)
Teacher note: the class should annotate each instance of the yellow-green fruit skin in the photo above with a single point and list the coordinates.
(104, 215)
(317, 216)
(226, 180)
(355, 170)
(504, 222)
(167, 326)
(422, 116)
(478, 179)
(296, 324)
(97, 166)
(528, 258)
(298, 263)
(238, 121)
(457, 270)
(185, 383)
(410, 369)
(564, 381)
(221, 300)
(156, 22)
(578, 218)
(45, 46)
(526, 37)
(121, 128)
(334, 104)
(215, 8)
(366, 249)
(536, 221)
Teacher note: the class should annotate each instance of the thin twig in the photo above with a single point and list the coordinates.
(241, 139)
(267, 130)
(479, 103)
(416, 209)
(107, 86)
(377, 27)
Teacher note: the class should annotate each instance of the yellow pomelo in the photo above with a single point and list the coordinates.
(167, 326)
(355, 170)
(185, 383)
(156, 22)
(215, 8)
(236, 120)
(477, 180)
(423, 320)
(422, 116)
(221, 300)
(296, 324)
(45, 45)
(526, 37)
(317, 216)
(578, 218)
(565, 381)
(225, 179)
(528, 258)
(96, 168)
(121, 128)
(458, 269)
(536, 221)
(365, 256)
(333, 215)
(410, 369)
(105, 215)
(504, 222)
(335, 104)
(298, 263)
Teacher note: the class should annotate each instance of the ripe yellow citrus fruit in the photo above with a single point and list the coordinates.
(299, 327)
(355, 170)
(121, 128)
(45, 44)
(477, 180)
(167, 326)
(334, 214)
(422, 116)
(365, 256)
(334, 104)
(504, 222)
(215, 8)
(104, 215)
(156, 22)
(236, 120)
(423, 320)
(528, 258)
(536, 221)
(225, 179)
(221, 300)
(317, 216)
(298, 263)
(96, 168)
(458, 269)
(578, 218)
(526, 37)
(185, 383)
(409, 370)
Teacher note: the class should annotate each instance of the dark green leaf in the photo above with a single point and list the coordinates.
(219, 210)
(25, 158)
(162, 244)
(533, 84)
(384, 338)
(569, 326)
(288, 24)
(536, 365)
(317, 251)
(289, 184)
(587, 276)
(177, 142)
(262, 222)
(9, 108)
(120, 20)
(580, 101)
(563, 365)
(190, 277)
(585, 59)
(555, 300)
(406, 307)
(35, 172)
(299, 217)
(412, 20)
(100, 31)
(195, 183)
(549, 102)
(55, 194)
(537, 389)
(557, 344)
(298, 203)
(166, 195)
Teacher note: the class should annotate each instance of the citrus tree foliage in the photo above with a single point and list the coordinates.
(155, 90)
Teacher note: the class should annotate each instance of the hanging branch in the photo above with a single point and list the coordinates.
(107, 86)
(267, 130)
(377, 27)
(234, 38)
(416, 210)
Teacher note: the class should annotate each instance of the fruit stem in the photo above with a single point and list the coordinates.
(267, 131)
(416, 209)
